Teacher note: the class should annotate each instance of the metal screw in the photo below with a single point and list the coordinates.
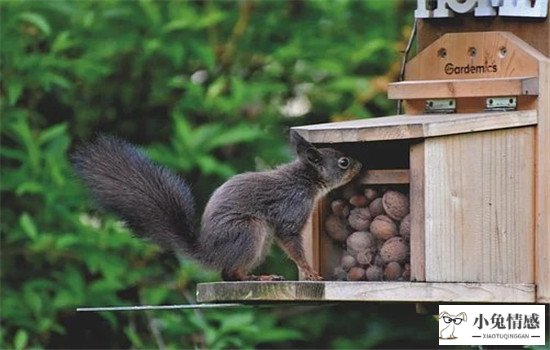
(442, 52)
(472, 51)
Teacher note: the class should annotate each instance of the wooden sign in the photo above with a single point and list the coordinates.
(483, 8)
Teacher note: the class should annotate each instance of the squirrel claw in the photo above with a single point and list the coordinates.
(313, 277)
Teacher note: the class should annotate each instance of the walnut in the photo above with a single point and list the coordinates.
(383, 228)
(359, 242)
(339, 208)
(358, 201)
(405, 228)
(360, 218)
(395, 204)
(356, 274)
(370, 193)
(376, 208)
(395, 249)
(392, 272)
(336, 228)
(374, 273)
(347, 261)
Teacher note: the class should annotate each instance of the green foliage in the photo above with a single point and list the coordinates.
(209, 89)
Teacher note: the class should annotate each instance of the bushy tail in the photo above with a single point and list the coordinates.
(154, 202)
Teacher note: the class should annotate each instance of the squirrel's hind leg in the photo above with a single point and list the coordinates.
(292, 246)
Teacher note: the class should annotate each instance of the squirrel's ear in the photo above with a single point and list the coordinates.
(305, 150)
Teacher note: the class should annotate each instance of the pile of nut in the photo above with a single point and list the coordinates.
(373, 228)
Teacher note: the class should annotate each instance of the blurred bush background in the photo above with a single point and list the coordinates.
(208, 88)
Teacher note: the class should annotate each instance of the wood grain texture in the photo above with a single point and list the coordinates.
(414, 126)
(479, 204)
(535, 32)
(490, 59)
(453, 88)
(310, 236)
(329, 253)
(385, 176)
(364, 291)
(542, 237)
(417, 188)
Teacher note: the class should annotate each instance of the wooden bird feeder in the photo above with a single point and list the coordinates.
(472, 153)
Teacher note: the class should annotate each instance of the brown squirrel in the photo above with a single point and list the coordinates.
(242, 217)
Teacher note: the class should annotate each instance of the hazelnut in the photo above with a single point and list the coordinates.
(370, 194)
(374, 273)
(336, 228)
(395, 204)
(347, 261)
(360, 218)
(339, 208)
(405, 227)
(392, 272)
(359, 242)
(395, 249)
(339, 274)
(356, 274)
(376, 208)
(358, 201)
(383, 228)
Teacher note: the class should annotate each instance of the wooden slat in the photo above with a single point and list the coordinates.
(418, 217)
(365, 291)
(385, 176)
(479, 191)
(542, 234)
(431, 89)
(414, 126)
(310, 236)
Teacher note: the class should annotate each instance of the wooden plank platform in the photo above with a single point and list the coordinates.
(452, 88)
(414, 126)
(365, 291)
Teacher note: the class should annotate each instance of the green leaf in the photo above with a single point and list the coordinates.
(236, 322)
(278, 335)
(62, 42)
(150, 8)
(20, 340)
(15, 88)
(52, 132)
(133, 336)
(238, 134)
(36, 20)
(28, 226)
(31, 187)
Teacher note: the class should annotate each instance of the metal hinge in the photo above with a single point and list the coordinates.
(501, 104)
(447, 105)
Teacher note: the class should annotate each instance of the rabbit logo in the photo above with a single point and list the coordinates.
(449, 323)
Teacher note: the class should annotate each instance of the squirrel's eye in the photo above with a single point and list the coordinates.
(343, 162)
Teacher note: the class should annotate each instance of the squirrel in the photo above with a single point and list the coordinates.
(241, 219)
